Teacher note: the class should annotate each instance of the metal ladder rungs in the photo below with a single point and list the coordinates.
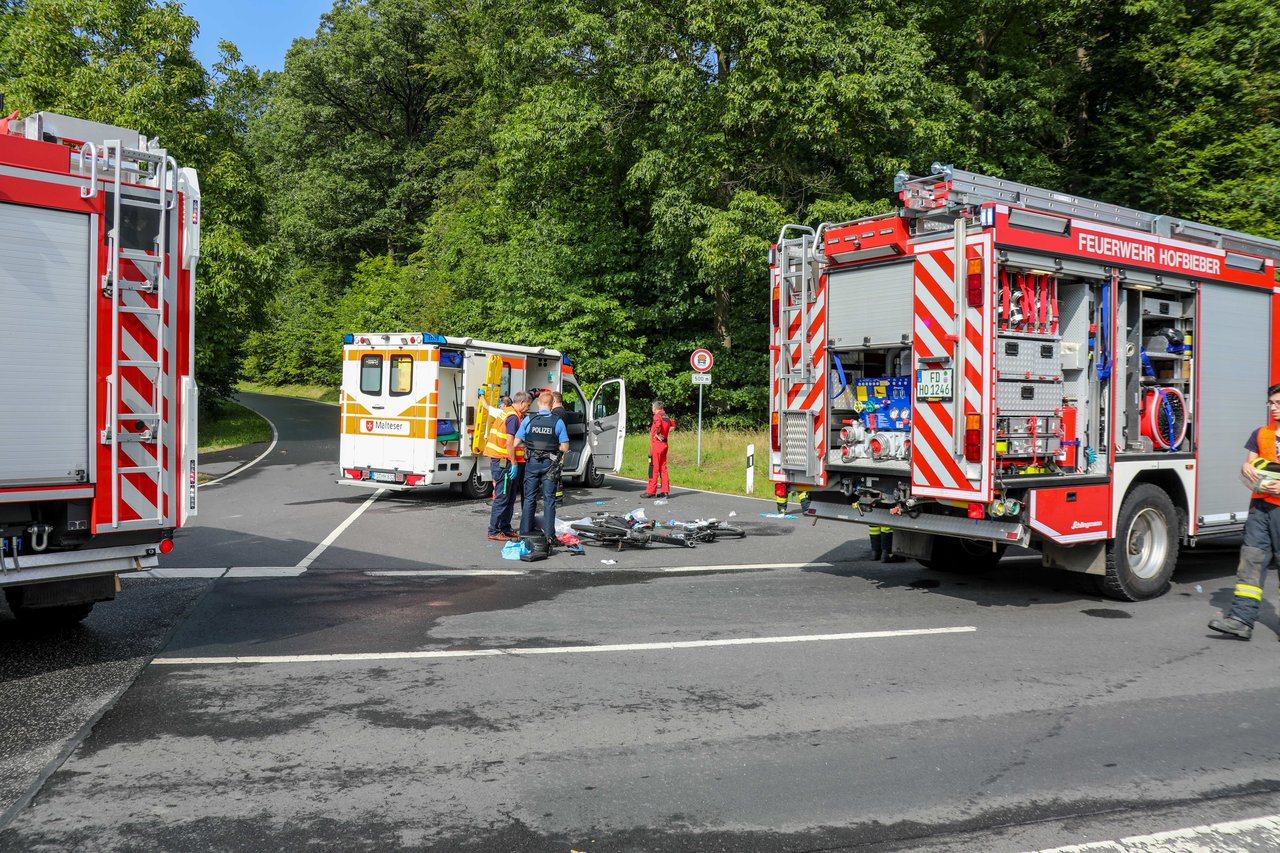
(146, 312)
(140, 469)
(138, 286)
(139, 156)
(137, 256)
(141, 363)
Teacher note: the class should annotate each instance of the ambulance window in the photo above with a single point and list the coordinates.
(572, 402)
(371, 375)
(506, 380)
(401, 375)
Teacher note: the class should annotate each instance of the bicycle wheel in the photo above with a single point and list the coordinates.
(728, 532)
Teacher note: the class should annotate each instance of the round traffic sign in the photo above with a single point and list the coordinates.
(701, 360)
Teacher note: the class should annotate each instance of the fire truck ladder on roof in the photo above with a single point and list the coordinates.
(949, 188)
(147, 415)
(797, 272)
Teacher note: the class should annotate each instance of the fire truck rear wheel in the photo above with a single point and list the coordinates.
(66, 614)
(476, 487)
(1142, 557)
(963, 556)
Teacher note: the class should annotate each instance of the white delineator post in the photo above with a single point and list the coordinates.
(751, 469)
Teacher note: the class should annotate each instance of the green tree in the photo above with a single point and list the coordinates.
(129, 62)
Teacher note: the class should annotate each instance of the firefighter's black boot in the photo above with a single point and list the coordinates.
(782, 507)
(876, 542)
(889, 556)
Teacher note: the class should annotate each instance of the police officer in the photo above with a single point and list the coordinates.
(545, 441)
(558, 409)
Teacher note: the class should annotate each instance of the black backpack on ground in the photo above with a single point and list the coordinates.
(538, 546)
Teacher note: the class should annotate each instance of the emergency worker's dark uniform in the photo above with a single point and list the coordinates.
(1261, 536)
(542, 434)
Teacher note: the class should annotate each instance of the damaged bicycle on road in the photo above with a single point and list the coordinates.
(634, 530)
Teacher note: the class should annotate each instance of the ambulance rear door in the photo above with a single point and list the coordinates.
(607, 424)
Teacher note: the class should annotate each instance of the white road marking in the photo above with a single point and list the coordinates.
(1264, 831)
(175, 573)
(275, 437)
(337, 531)
(264, 572)
(564, 650)
(744, 567)
(727, 567)
(440, 573)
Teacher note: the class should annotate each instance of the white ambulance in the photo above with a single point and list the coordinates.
(411, 403)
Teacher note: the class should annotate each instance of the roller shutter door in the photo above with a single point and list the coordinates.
(44, 345)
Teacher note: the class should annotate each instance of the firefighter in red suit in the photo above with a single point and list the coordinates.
(658, 434)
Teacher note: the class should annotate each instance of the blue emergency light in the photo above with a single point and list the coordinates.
(348, 338)
(564, 359)
(432, 338)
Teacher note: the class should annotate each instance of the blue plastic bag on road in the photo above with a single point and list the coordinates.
(514, 550)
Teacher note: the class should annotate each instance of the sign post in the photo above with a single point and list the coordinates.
(701, 361)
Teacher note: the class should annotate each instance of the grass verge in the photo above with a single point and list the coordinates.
(230, 424)
(320, 393)
(724, 460)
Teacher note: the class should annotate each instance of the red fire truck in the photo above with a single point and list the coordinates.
(99, 240)
(996, 364)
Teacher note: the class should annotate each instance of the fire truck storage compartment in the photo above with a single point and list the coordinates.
(45, 290)
(1232, 382)
(870, 407)
(870, 306)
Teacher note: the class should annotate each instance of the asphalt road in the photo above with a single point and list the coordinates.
(778, 693)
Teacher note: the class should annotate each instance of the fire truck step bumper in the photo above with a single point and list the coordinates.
(57, 565)
(985, 529)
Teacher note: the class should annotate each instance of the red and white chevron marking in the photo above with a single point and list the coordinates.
(938, 469)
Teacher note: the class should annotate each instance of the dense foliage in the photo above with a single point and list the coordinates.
(605, 177)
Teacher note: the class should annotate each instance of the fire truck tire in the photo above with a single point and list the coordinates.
(962, 556)
(1142, 557)
(66, 614)
(593, 478)
(476, 487)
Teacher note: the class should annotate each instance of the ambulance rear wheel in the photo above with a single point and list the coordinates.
(593, 478)
(476, 487)
(1142, 557)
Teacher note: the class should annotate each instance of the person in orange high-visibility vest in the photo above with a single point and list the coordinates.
(1261, 528)
(504, 465)
(659, 430)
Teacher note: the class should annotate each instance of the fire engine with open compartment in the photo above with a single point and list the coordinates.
(997, 364)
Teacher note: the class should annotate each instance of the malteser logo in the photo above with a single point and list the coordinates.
(1085, 525)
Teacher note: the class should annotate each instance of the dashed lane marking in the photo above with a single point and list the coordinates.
(562, 650)
(1261, 833)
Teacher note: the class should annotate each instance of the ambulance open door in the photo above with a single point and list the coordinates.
(607, 427)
